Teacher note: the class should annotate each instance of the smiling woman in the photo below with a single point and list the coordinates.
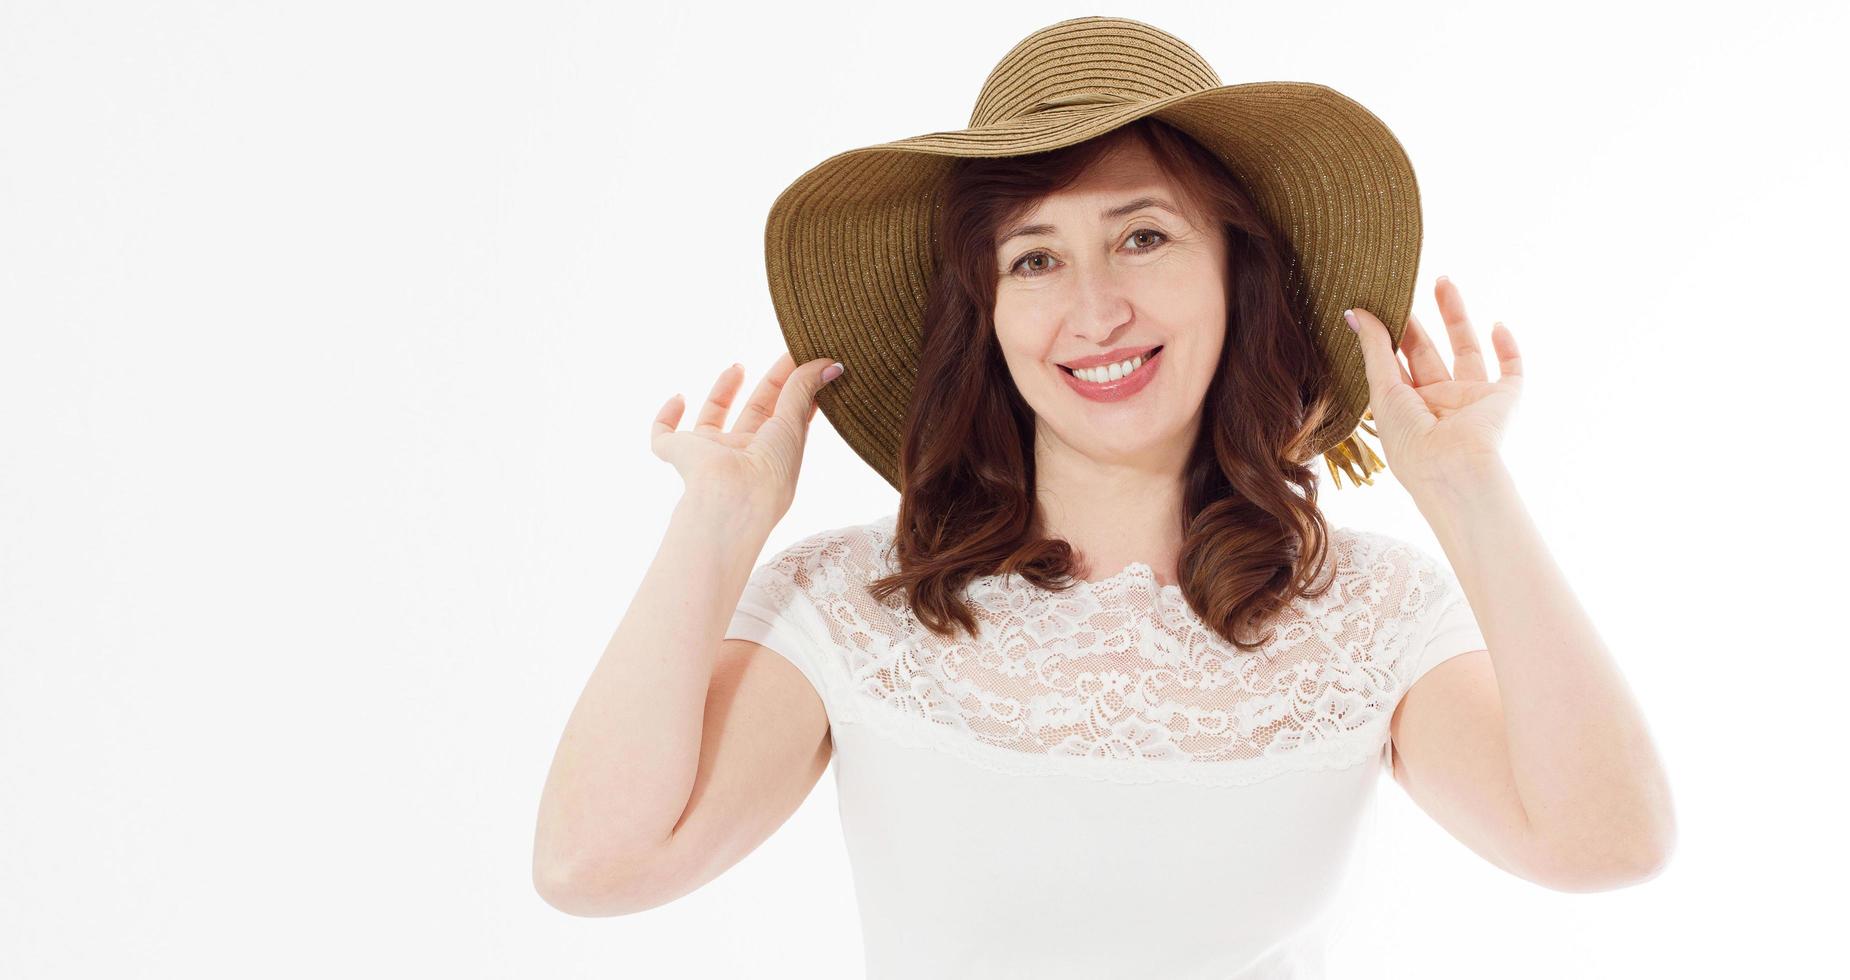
(1138, 257)
(1108, 644)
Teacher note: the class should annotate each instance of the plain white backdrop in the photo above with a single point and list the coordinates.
(332, 333)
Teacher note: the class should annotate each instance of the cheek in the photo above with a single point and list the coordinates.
(1012, 315)
(1202, 305)
(1020, 333)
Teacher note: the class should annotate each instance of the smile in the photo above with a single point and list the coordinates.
(1120, 388)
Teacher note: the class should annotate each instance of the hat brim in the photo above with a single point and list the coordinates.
(849, 254)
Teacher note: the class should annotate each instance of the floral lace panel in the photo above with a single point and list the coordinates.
(1118, 678)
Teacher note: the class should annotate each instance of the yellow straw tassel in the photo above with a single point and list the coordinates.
(1354, 457)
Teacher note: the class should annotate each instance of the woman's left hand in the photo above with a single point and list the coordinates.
(1436, 426)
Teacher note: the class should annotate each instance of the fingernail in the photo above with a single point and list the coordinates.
(832, 372)
(1349, 318)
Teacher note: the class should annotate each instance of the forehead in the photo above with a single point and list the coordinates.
(1126, 169)
(1128, 162)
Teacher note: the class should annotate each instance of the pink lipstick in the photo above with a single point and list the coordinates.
(1122, 388)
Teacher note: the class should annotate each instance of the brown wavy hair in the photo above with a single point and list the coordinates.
(1253, 536)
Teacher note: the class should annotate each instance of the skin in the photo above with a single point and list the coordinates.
(1109, 474)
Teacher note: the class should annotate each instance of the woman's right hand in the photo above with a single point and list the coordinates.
(756, 464)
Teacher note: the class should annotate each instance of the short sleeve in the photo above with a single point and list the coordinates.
(1447, 625)
(777, 612)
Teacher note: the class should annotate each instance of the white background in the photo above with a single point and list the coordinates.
(332, 334)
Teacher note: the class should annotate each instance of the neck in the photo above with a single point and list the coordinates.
(1113, 511)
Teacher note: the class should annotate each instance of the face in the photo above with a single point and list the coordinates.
(1094, 278)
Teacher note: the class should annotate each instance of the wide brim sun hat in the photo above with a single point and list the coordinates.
(848, 245)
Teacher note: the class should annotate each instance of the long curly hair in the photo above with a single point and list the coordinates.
(1253, 536)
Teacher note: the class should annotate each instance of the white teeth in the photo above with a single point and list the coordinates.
(1110, 372)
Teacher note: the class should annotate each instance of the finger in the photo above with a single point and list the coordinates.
(719, 399)
(1424, 362)
(1467, 355)
(764, 397)
(667, 418)
(1509, 357)
(799, 394)
(1380, 342)
(1385, 372)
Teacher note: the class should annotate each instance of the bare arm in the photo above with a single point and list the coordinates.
(1581, 761)
(1581, 799)
(626, 762)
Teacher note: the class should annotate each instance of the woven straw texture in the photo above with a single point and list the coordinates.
(848, 245)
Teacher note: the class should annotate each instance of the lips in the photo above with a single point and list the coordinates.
(1111, 357)
(1120, 389)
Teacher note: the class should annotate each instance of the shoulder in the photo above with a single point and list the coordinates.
(821, 581)
(1403, 571)
(1365, 547)
(835, 557)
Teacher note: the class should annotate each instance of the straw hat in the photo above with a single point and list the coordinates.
(848, 245)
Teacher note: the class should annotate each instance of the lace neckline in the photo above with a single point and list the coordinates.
(1136, 571)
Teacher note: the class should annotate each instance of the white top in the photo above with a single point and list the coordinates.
(1101, 786)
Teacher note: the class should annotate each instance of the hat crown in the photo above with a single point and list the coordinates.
(1088, 62)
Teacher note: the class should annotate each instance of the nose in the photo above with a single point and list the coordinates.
(1101, 305)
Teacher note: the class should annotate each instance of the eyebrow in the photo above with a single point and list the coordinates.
(1105, 215)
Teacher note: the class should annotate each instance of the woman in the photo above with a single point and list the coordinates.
(1106, 693)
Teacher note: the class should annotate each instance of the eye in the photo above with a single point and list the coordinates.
(1017, 270)
(1028, 258)
(1147, 231)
